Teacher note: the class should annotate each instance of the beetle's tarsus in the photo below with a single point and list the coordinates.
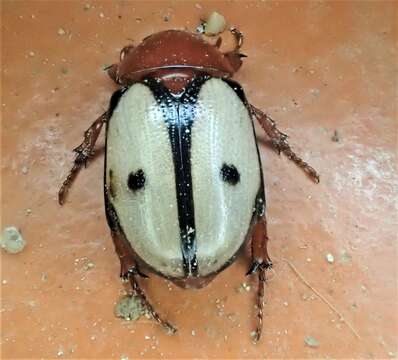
(238, 37)
(260, 263)
(280, 144)
(83, 152)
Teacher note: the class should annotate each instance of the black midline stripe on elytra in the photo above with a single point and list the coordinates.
(179, 111)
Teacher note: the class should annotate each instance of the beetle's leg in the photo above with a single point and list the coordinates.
(260, 263)
(125, 51)
(112, 70)
(238, 37)
(83, 152)
(280, 143)
(129, 269)
(148, 306)
(234, 57)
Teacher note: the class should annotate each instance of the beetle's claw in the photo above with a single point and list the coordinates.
(133, 271)
(257, 265)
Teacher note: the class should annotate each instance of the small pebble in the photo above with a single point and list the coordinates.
(31, 53)
(311, 342)
(61, 32)
(330, 258)
(24, 170)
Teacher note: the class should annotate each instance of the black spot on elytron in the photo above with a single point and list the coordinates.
(112, 190)
(136, 180)
(230, 174)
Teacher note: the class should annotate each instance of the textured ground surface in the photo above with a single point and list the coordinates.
(317, 68)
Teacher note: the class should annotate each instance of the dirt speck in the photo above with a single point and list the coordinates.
(311, 342)
(345, 257)
(330, 258)
(12, 240)
(61, 31)
(336, 136)
(129, 308)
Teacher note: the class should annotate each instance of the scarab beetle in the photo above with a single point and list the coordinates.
(184, 186)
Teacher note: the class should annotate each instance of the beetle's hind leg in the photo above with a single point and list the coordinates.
(148, 306)
(83, 152)
(129, 270)
(280, 143)
(260, 263)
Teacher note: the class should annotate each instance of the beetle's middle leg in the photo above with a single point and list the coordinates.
(280, 143)
(260, 263)
(83, 152)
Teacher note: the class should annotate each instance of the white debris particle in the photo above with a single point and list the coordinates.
(124, 357)
(31, 53)
(330, 258)
(311, 341)
(285, 303)
(101, 15)
(12, 240)
(308, 259)
(147, 337)
(4, 282)
(61, 31)
(24, 170)
(315, 92)
(60, 352)
(193, 332)
(215, 24)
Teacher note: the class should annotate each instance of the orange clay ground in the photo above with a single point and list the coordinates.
(318, 68)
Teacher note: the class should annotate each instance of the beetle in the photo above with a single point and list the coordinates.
(183, 181)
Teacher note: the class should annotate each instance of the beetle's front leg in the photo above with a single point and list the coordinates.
(280, 143)
(83, 152)
(260, 263)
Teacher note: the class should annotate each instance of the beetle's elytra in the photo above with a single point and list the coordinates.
(183, 185)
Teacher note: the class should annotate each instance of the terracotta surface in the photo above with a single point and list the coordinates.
(316, 67)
